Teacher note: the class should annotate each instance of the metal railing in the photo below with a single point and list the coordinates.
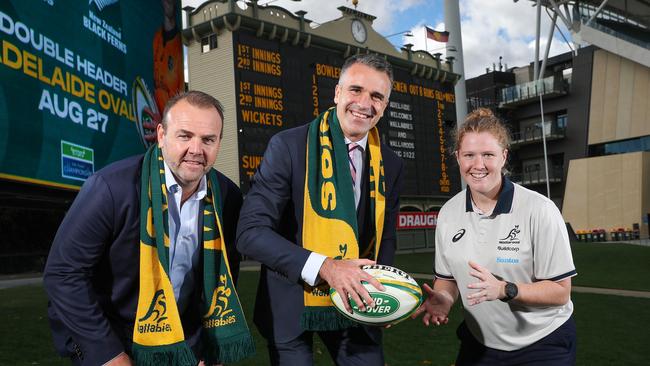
(477, 102)
(538, 176)
(532, 89)
(534, 133)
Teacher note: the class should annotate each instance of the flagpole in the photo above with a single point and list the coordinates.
(426, 35)
(452, 25)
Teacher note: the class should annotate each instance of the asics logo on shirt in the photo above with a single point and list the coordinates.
(458, 235)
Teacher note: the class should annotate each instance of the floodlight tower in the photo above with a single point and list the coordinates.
(455, 49)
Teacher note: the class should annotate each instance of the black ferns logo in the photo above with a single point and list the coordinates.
(101, 4)
(157, 309)
(511, 238)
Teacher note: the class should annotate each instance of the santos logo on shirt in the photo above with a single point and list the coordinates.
(511, 238)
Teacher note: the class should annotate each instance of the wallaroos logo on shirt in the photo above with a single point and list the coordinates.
(511, 238)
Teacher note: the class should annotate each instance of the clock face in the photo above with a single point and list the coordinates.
(359, 31)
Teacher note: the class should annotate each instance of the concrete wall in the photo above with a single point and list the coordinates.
(620, 99)
(615, 44)
(608, 191)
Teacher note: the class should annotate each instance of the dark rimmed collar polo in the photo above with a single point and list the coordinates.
(504, 202)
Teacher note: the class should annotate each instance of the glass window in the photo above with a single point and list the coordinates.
(208, 43)
(562, 120)
(621, 147)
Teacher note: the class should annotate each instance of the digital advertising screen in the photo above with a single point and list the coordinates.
(82, 84)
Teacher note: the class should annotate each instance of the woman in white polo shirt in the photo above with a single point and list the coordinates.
(505, 250)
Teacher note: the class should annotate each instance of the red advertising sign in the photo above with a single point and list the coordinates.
(417, 220)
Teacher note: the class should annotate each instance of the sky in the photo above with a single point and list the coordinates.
(490, 28)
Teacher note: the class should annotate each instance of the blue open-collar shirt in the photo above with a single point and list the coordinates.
(184, 225)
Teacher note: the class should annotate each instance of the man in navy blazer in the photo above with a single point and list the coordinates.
(270, 227)
(92, 272)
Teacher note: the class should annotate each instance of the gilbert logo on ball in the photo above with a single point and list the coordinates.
(402, 297)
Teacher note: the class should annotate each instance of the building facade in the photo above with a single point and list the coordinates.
(596, 126)
(564, 91)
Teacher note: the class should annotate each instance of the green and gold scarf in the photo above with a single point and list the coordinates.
(158, 337)
(330, 217)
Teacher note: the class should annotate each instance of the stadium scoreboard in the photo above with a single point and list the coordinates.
(279, 86)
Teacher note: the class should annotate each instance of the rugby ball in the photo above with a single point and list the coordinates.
(401, 298)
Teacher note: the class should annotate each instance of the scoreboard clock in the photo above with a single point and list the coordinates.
(359, 32)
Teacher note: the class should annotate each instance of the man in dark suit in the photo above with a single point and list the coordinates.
(93, 270)
(272, 223)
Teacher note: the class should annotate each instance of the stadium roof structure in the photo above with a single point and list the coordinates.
(635, 10)
(621, 27)
(618, 26)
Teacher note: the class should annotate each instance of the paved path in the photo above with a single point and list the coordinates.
(610, 291)
(15, 282)
(8, 282)
(589, 290)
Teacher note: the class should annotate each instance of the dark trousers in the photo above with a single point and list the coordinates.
(557, 349)
(349, 347)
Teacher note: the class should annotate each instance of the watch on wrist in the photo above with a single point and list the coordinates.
(511, 291)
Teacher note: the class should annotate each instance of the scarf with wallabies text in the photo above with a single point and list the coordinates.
(330, 217)
(158, 337)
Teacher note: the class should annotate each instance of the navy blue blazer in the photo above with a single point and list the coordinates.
(270, 229)
(92, 272)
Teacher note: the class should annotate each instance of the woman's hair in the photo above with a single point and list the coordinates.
(482, 120)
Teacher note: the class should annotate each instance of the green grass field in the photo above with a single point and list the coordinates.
(604, 265)
(612, 330)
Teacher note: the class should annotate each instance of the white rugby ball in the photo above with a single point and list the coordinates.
(402, 297)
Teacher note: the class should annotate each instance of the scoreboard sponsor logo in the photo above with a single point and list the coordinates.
(417, 220)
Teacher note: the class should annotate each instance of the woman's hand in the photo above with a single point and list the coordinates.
(488, 288)
(436, 307)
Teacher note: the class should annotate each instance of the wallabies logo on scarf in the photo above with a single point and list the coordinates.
(154, 320)
(219, 314)
(330, 217)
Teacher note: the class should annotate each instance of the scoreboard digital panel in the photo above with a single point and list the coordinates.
(280, 86)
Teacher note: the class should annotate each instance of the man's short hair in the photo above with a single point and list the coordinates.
(197, 99)
(373, 60)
